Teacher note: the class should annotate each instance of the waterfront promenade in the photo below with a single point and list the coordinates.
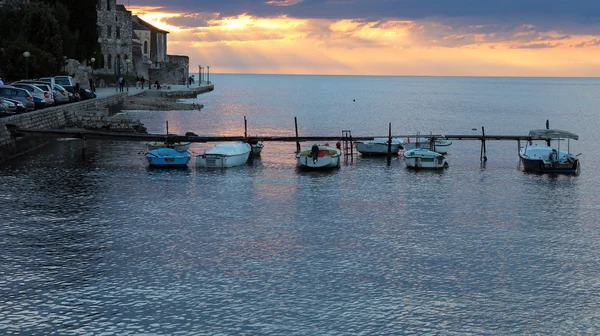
(165, 91)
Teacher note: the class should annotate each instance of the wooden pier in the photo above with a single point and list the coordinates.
(345, 138)
(86, 134)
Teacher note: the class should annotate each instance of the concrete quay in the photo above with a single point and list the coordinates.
(108, 102)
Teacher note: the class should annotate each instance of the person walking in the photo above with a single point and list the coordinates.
(1, 82)
(143, 81)
(121, 83)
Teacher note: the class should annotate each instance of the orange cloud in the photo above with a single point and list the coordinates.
(248, 44)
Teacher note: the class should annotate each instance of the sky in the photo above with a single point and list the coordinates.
(537, 38)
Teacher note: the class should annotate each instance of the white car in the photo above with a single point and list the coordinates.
(46, 87)
(37, 91)
(61, 96)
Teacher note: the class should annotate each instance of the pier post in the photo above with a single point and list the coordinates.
(389, 149)
(245, 128)
(297, 142)
(483, 149)
(548, 127)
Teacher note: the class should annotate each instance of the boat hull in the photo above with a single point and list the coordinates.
(167, 158)
(424, 159)
(376, 149)
(540, 160)
(327, 158)
(257, 148)
(441, 146)
(221, 161)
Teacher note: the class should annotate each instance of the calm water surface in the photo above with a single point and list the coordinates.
(102, 244)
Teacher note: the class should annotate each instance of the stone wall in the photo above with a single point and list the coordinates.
(114, 20)
(174, 72)
(53, 117)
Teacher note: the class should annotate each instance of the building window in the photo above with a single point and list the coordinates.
(145, 47)
(118, 32)
(116, 18)
(107, 5)
(109, 61)
(109, 31)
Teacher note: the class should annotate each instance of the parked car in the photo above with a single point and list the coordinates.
(48, 80)
(19, 107)
(46, 87)
(39, 103)
(61, 96)
(64, 80)
(74, 95)
(36, 92)
(86, 94)
(7, 107)
(21, 95)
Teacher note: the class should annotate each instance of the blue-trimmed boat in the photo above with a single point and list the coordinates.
(168, 158)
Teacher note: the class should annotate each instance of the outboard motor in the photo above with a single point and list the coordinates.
(314, 152)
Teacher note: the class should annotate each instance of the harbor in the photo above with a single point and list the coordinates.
(92, 241)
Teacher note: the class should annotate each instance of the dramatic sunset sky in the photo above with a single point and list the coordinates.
(383, 37)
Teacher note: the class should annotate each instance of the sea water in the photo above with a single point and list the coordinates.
(98, 243)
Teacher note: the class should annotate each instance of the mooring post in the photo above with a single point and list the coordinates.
(389, 149)
(245, 128)
(547, 127)
(483, 149)
(297, 142)
(83, 150)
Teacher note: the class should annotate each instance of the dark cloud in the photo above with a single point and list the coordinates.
(490, 11)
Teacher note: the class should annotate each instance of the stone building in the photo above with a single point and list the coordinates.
(134, 46)
(115, 35)
(153, 41)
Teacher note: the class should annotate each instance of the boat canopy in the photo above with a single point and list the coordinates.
(552, 134)
(236, 148)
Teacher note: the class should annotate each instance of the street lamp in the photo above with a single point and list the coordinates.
(92, 81)
(128, 62)
(207, 74)
(26, 55)
(199, 75)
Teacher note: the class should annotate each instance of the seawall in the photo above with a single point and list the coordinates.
(181, 91)
(53, 117)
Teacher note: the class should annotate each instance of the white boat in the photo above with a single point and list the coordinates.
(378, 147)
(224, 155)
(420, 158)
(167, 158)
(549, 159)
(257, 148)
(441, 146)
(178, 146)
(318, 157)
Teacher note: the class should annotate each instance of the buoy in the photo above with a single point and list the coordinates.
(473, 129)
(354, 100)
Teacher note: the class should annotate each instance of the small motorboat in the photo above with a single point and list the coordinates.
(257, 148)
(178, 146)
(225, 155)
(549, 159)
(319, 157)
(379, 146)
(420, 158)
(167, 158)
(441, 146)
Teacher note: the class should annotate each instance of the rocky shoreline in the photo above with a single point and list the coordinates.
(150, 103)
